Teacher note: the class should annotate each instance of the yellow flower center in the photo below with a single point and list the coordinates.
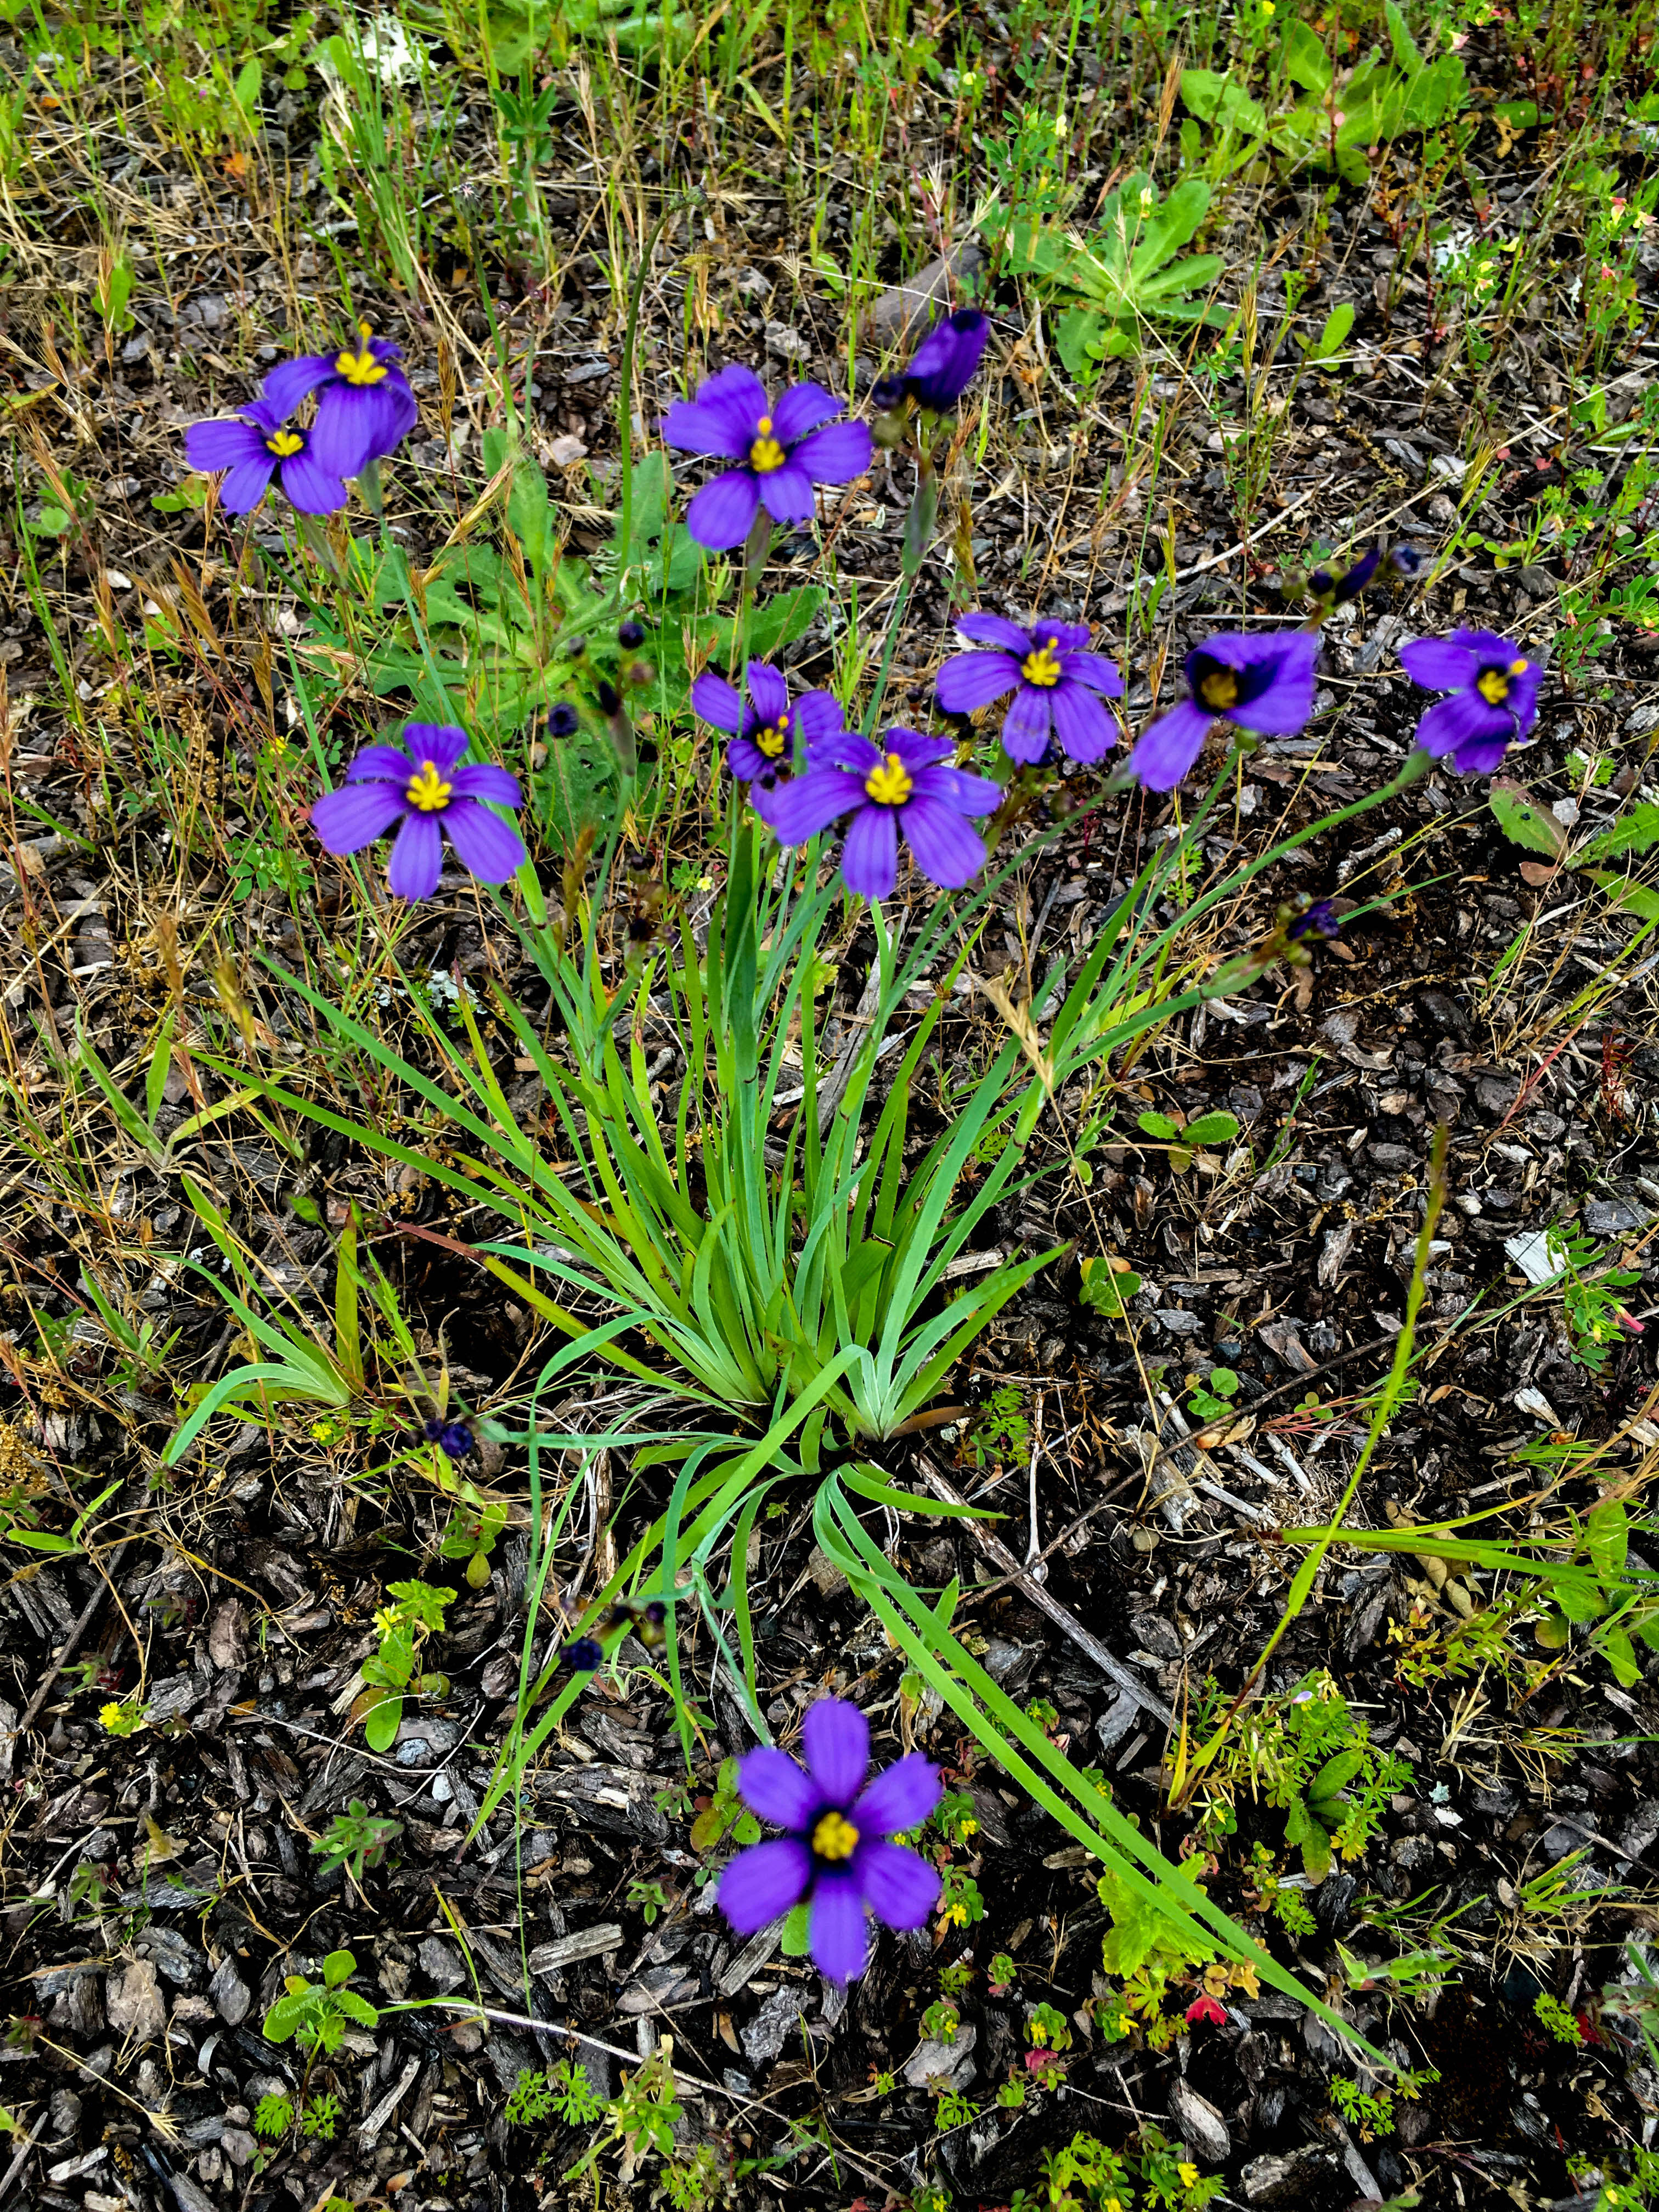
(1219, 689)
(835, 1836)
(773, 737)
(284, 443)
(359, 368)
(765, 454)
(427, 790)
(1493, 684)
(1041, 667)
(889, 785)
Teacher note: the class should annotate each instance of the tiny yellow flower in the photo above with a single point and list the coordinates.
(110, 1716)
(1187, 2174)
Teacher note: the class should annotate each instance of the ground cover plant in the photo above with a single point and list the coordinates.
(826, 1291)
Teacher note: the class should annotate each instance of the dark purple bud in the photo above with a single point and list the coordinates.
(575, 650)
(457, 1439)
(886, 393)
(609, 699)
(945, 362)
(1319, 921)
(1322, 584)
(656, 1613)
(631, 636)
(1406, 560)
(582, 1655)
(1358, 577)
(562, 721)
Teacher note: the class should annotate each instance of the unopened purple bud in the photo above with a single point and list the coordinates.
(886, 393)
(630, 636)
(609, 699)
(1320, 921)
(945, 362)
(1406, 560)
(562, 721)
(1358, 577)
(1322, 584)
(582, 1655)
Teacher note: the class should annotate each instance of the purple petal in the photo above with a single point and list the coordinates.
(223, 443)
(355, 423)
(996, 629)
(381, 763)
(721, 514)
(721, 420)
(1480, 755)
(810, 803)
(441, 743)
(290, 381)
(489, 848)
(899, 1798)
(714, 702)
(1438, 664)
(764, 1882)
(1464, 719)
(1245, 649)
(347, 820)
(1283, 706)
(818, 718)
(248, 484)
(308, 487)
(968, 794)
(899, 1886)
(835, 455)
(851, 750)
(801, 408)
(774, 1788)
(769, 694)
(1025, 725)
(1065, 637)
(1486, 645)
(836, 1737)
(1523, 698)
(483, 779)
(417, 857)
(1166, 751)
(946, 848)
(691, 428)
(745, 760)
(840, 1938)
(786, 494)
(915, 750)
(970, 680)
(1095, 670)
(869, 859)
(1085, 730)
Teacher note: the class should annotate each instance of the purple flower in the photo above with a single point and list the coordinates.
(780, 452)
(367, 408)
(898, 785)
(1264, 683)
(769, 735)
(432, 797)
(453, 1439)
(254, 446)
(1339, 590)
(1054, 682)
(582, 1655)
(944, 364)
(1494, 700)
(836, 1852)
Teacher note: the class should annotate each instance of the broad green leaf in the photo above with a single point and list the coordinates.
(1222, 101)
(245, 90)
(1634, 899)
(1303, 1827)
(1334, 336)
(1435, 93)
(1160, 1127)
(1637, 830)
(797, 1932)
(1217, 1128)
(338, 1967)
(1606, 1538)
(1399, 39)
(1522, 821)
(1334, 1775)
(1305, 60)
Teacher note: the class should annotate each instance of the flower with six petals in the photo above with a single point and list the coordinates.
(1263, 683)
(838, 1854)
(252, 447)
(780, 453)
(434, 795)
(1494, 702)
(769, 733)
(366, 409)
(902, 784)
(1057, 685)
